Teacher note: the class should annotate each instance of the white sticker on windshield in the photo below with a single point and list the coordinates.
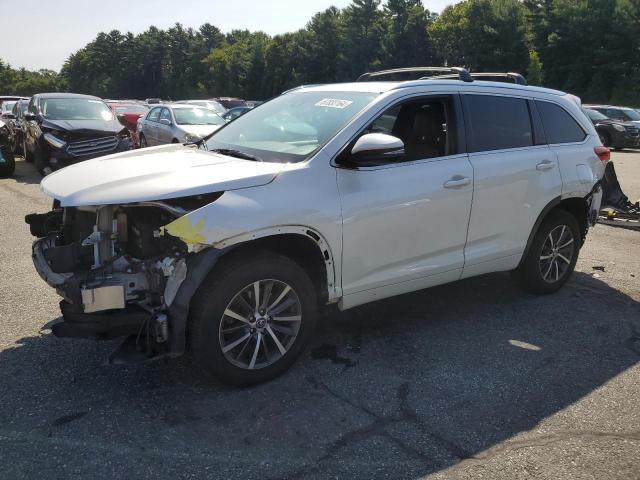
(333, 103)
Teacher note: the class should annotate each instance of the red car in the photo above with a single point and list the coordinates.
(129, 113)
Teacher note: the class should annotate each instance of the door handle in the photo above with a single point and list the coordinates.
(545, 165)
(457, 182)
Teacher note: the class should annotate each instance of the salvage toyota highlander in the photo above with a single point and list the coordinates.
(336, 194)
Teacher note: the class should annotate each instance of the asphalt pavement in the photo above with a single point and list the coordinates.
(468, 380)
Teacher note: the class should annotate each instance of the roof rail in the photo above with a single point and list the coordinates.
(459, 72)
(509, 77)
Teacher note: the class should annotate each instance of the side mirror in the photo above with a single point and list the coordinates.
(165, 121)
(121, 119)
(29, 117)
(377, 146)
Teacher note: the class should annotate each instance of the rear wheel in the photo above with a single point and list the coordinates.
(552, 256)
(252, 318)
(7, 162)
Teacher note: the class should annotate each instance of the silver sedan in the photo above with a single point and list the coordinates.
(177, 123)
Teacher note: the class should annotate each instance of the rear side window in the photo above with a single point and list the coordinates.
(559, 126)
(496, 123)
(154, 114)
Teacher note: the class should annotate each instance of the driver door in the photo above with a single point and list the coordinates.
(405, 220)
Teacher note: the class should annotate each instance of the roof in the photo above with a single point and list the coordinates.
(65, 95)
(381, 87)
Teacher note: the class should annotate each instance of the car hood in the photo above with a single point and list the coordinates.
(200, 130)
(157, 173)
(84, 126)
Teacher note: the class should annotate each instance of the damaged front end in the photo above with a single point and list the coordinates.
(118, 272)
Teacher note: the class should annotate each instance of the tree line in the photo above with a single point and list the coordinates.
(588, 47)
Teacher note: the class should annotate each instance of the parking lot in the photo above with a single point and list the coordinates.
(465, 380)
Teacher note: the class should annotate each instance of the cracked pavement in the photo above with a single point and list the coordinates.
(473, 379)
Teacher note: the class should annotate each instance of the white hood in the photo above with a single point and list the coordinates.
(156, 173)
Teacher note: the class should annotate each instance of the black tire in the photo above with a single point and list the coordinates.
(543, 276)
(28, 157)
(142, 141)
(605, 138)
(9, 165)
(222, 287)
(40, 161)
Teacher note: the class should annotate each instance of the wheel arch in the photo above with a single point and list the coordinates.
(575, 205)
(302, 244)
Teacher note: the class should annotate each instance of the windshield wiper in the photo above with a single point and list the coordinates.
(236, 153)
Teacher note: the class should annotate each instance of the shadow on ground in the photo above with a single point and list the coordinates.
(400, 388)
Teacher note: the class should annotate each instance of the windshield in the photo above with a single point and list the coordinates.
(595, 116)
(75, 109)
(196, 116)
(132, 109)
(7, 106)
(632, 114)
(290, 128)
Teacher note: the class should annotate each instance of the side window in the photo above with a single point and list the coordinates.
(32, 107)
(154, 114)
(496, 123)
(425, 126)
(165, 115)
(559, 126)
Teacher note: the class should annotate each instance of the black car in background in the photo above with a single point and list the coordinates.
(15, 123)
(65, 128)
(7, 160)
(614, 133)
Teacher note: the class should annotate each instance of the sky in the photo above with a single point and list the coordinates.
(46, 32)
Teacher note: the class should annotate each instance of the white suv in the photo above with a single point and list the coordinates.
(335, 194)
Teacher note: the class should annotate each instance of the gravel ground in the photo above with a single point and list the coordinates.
(474, 379)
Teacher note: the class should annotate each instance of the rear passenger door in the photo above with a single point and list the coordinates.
(150, 128)
(515, 176)
(567, 140)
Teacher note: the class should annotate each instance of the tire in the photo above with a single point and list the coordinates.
(605, 138)
(40, 161)
(143, 141)
(9, 165)
(540, 275)
(225, 346)
(28, 157)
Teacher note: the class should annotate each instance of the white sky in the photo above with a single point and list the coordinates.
(43, 33)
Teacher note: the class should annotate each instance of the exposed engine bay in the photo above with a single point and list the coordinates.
(116, 268)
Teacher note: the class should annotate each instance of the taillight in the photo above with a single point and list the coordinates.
(603, 153)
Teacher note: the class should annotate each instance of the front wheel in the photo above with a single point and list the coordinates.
(143, 141)
(252, 318)
(552, 256)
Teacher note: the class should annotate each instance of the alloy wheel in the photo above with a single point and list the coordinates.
(260, 324)
(557, 254)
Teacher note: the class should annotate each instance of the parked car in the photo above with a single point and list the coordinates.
(7, 159)
(230, 102)
(234, 113)
(128, 114)
(153, 101)
(614, 133)
(212, 105)
(177, 123)
(336, 194)
(65, 128)
(621, 114)
(15, 124)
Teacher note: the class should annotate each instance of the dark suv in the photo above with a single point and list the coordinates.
(614, 133)
(65, 128)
